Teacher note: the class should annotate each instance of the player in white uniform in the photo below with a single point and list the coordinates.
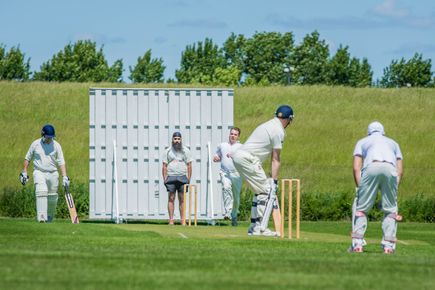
(47, 156)
(377, 165)
(231, 180)
(266, 139)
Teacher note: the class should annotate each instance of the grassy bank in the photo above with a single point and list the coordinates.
(319, 143)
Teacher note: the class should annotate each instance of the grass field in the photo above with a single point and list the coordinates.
(157, 256)
(318, 148)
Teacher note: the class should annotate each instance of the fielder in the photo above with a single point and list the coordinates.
(231, 180)
(47, 156)
(267, 139)
(377, 165)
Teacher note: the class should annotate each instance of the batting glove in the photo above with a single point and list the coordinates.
(23, 178)
(65, 181)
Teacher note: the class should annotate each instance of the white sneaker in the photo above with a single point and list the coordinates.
(267, 233)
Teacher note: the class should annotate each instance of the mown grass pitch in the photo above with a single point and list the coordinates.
(157, 256)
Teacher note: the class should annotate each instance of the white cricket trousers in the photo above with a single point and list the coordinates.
(250, 168)
(378, 176)
(46, 184)
(231, 186)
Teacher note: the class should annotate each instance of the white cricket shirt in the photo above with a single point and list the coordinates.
(46, 157)
(222, 151)
(377, 147)
(266, 137)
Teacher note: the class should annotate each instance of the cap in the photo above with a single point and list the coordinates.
(176, 134)
(375, 127)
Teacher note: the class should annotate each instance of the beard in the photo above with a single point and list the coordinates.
(177, 146)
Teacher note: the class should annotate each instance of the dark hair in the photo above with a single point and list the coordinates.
(236, 129)
(176, 134)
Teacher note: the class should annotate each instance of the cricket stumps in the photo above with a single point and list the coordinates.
(287, 189)
(191, 191)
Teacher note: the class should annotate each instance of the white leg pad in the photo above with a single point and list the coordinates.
(41, 206)
(52, 204)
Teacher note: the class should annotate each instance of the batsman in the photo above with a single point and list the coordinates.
(47, 156)
(267, 139)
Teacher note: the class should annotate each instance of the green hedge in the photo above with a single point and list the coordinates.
(21, 202)
(314, 206)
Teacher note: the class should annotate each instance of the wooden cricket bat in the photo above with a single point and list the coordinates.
(71, 207)
(276, 215)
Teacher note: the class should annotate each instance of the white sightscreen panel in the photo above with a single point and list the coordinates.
(142, 122)
(92, 169)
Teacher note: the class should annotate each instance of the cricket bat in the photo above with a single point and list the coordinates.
(276, 215)
(71, 206)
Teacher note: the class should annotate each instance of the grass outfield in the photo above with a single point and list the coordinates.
(156, 256)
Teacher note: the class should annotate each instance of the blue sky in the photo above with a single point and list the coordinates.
(380, 30)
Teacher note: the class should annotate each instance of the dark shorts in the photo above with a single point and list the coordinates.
(176, 183)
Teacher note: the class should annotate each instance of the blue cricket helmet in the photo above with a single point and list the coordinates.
(48, 131)
(284, 112)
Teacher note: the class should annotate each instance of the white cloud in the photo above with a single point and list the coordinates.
(389, 8)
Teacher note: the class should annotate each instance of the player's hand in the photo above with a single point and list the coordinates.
(65, 181)
(24, 178)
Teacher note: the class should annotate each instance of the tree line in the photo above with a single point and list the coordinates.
(266, 58)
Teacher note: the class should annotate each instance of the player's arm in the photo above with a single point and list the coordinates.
(217, 155)
(399, 168)
(63, 169)
(357, 165)
(189, 170)
(25, 165)
(165, 171)
(276, 162)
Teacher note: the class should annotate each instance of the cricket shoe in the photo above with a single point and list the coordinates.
(388, 250)
(266, 233)
(356, 249)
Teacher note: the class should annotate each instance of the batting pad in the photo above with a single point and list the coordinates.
(41, 206)
(52, 204)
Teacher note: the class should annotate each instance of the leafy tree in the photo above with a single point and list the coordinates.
(229, 76)
(361, 73)
(339, 67)
(199, 63)
(13, 65)
(415, 72)
(265, 54)
(80, 62)
(147, 70)
(310, 60)
(342, 70)
(234, 53)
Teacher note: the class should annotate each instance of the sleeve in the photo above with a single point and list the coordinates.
(358, 149)
(219, 151)
(60, 159)
(29, 154)
(188, 155)
(277, 141)
(165, 157)
(398, 152)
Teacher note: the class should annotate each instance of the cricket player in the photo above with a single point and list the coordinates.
(377, 165)
(176, 171)
(267, 139)
(230, 178)
(47, 156)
